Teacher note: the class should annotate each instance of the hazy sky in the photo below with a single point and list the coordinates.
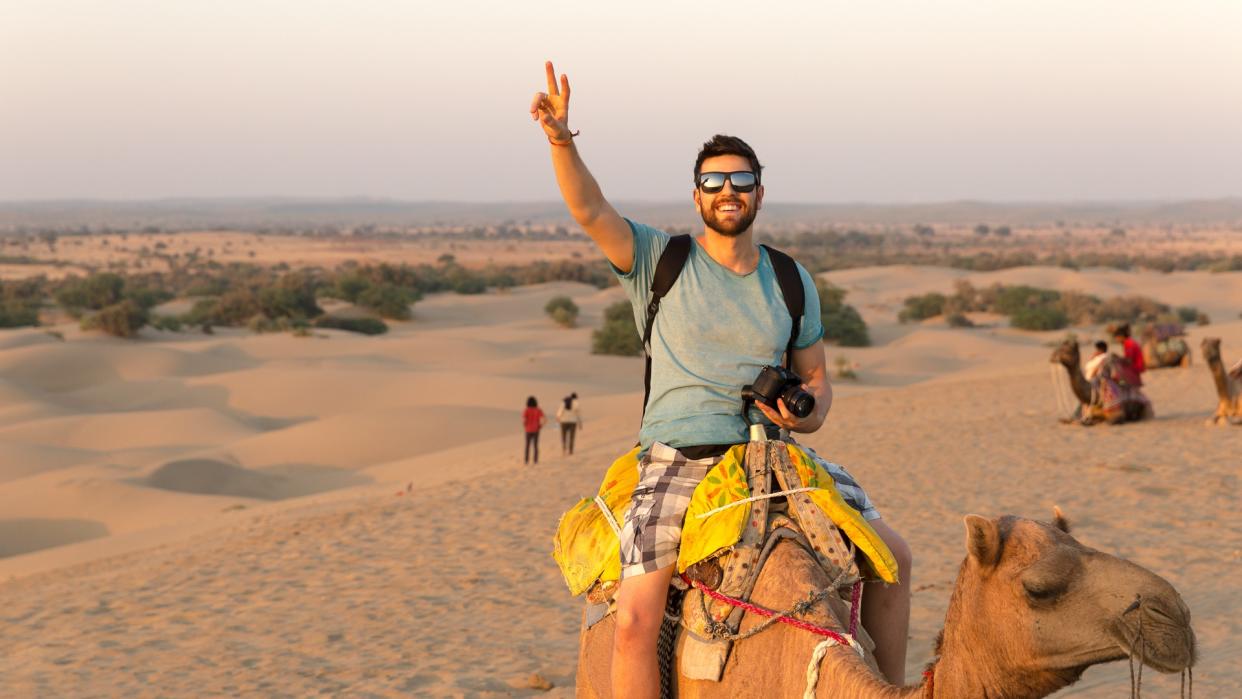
(844, 101)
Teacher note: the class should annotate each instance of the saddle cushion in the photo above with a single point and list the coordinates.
(585, 547)
(588, 550)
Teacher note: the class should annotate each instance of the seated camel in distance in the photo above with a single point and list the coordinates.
(1228, 385)
(1106, 399)
(1031, 610)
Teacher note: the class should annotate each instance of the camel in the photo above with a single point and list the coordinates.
(1228, 385)
(1032, 609)
(1105, 399)
(1164, 346)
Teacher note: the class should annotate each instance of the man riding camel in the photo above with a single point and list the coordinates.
(719, 325)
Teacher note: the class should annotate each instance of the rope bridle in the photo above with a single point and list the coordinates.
(1067, 402)
(719, 630)
(1136, 678)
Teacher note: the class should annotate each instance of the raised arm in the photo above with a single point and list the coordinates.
(579, 189)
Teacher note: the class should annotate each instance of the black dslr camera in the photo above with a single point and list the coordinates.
(778, 382)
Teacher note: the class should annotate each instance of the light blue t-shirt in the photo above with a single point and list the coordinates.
(714, 332)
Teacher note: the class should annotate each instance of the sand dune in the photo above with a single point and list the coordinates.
(210, 477)
(130, 430)
(190, 515)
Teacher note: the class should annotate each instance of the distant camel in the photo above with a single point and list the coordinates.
(1031, 610)
(1228, 385)
(1164, 345)
(1103, 399)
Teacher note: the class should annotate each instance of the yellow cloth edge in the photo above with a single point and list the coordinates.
(851, 521)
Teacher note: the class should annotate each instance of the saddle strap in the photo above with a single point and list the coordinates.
(822, 533)
(743, 563)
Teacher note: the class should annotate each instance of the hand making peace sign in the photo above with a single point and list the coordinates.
(551, 108)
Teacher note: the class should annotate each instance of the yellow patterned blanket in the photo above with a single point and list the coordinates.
(587, 549)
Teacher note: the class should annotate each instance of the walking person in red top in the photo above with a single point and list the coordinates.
(1133, 355)
(533, 420)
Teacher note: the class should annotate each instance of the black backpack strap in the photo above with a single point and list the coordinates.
(668, 268)
(795, 294)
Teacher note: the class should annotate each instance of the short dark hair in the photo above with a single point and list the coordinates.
(1101, 346)
(531, 402)
(721, 144)
(1122, 330)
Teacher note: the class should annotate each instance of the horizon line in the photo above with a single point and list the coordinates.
(362, 198)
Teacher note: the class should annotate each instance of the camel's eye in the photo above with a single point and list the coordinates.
(1042, 592)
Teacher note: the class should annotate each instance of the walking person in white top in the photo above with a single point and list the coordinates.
(569, 414)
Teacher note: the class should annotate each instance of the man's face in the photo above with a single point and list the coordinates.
(728, 212)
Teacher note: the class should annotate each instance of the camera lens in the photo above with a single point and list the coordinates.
(799, 402)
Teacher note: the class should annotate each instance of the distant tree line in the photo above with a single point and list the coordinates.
(829, 250)
(268, 299)
(1033, 308)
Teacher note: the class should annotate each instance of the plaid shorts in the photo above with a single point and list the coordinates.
(651, 533)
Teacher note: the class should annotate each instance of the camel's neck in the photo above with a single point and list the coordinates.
(1078, 382)
(966, 672)
(1217, 368)
(851, 679)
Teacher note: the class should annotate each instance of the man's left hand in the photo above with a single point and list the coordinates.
(783, 418)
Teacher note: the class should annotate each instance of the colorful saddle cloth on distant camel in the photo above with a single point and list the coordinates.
(588, 550)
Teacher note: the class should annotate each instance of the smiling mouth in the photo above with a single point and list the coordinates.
(729, 207)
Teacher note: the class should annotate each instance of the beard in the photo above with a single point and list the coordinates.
(732, 228)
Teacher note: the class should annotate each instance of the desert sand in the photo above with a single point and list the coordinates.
(266, 515)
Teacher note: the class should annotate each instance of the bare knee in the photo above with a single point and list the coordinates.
(903, 556)
(637, 627)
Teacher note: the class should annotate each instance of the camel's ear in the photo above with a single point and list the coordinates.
(982, 540)
(1059, 521)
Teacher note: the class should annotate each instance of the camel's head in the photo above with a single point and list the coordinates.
(1067, 354)
(1053, 607)
(1211, 349)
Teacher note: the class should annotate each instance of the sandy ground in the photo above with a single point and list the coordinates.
(241, 515)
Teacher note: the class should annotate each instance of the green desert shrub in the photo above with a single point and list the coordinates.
(843, 325)
(15, 315)
(122, 319)
(1012, 299)
(350, 284)
(20, 302)
(958, 320)
(260, 323)
(1039, 318)
(146, 297)
(563, 310)
(921, 307)
(388, 300)
(234, 308)
(617, 335)
(1080, 308)
(1190, 314)
(365, 326)
(291, 296)
(92, 293)
(169, 323)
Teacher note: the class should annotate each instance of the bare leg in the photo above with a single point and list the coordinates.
(886, 609)
(640, 610)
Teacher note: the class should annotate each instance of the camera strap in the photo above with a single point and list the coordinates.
(669, 267)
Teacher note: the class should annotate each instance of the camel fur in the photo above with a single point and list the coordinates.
(1031, 610)
(1228, 385)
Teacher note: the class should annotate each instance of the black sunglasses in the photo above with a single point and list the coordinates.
(712, 182)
